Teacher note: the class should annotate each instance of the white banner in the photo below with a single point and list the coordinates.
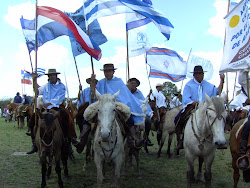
(237, 45)
(206, 65)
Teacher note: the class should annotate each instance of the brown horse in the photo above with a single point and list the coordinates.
(72, 108)
(12, 107)
(50, 142)
(235, 137)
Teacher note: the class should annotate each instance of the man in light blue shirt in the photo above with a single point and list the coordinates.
(193, 93)
(111, 84)
(53, 95)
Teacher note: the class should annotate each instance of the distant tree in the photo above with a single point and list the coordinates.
(4, 103)
(169, 89)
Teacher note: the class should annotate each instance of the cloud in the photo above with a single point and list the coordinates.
(27, 10)
(217, 23)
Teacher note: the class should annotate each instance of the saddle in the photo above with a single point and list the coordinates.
(185, 115)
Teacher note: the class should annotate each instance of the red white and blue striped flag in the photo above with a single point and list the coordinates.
(167, 64)
(53, 23)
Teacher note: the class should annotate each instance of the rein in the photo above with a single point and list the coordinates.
(104, 150)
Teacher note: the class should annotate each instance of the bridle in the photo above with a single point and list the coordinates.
(200, 140)
(114, 142)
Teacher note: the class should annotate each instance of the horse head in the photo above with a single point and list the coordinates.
(106, 114)
(156, 115)
(46, 129)
(215, 115)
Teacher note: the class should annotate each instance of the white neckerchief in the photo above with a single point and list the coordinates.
(199, 90)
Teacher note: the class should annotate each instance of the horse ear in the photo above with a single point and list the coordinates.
(208, 99)
(116, 95)
(98, 95)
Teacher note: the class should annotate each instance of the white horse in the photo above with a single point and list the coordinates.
(203, 133)
(108, 139)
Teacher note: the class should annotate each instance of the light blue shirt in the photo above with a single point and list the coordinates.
(53, 93)
(114, 85)
(190, 92)
(87, 96)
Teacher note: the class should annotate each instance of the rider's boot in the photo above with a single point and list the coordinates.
(33, 148)
(243, 162)
(179, 134)
(83, 138)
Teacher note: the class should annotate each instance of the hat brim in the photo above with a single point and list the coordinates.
(88, 80)
(107, 69)
(198, 72)
(52, 73)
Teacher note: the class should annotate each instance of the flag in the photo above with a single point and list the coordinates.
(137, 39)
(29, 32)
(53, 23)
(167, 64)
(206, 65)
(99, 8)
(237, 43)
(40, 72)
(94, 30)
(25, 77)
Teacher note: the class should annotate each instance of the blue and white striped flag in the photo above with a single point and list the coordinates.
(40, 72)
(99, 8)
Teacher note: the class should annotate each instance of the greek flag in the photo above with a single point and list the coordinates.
(99, 8)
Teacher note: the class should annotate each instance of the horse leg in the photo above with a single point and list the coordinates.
(137, 158)
(190, 166)
(49, 167)
(117, 162)
(88, 154)
(99, 167)
(44, 169)
(58, 171)
(170, 138)
(199, 173)
(22, 122)
(236, 175)
(64, 157)
(208, 163)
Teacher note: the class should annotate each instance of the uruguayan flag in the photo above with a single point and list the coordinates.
(99, 8)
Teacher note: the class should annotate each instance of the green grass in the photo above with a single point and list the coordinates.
(25, 171)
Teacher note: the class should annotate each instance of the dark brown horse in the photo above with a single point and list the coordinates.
(235, 137)
(50, 142)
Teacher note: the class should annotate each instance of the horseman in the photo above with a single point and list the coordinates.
(18, 98)
(26, 99)
(161, 105)
(193, 93)
(134, 83)
(240, 103)
(53, 95)
(176, 100)
(85, 97)
(111, 84)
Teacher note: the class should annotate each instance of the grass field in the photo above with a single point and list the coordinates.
(25, 171)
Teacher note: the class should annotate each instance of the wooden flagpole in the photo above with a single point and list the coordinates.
(145, 56)
(35, 79)
(78, 78)
(127, 75)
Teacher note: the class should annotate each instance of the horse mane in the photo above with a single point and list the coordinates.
(219, 105)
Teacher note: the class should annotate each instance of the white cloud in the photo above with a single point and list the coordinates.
(27, 10)
(217, 23)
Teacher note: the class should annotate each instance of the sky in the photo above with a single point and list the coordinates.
(199, 26)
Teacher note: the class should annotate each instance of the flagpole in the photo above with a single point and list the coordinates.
(66, 85)
(127, 76)
(79, 79)
(234, 83)
(147, 70)
(187, 66)
(35, 79)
